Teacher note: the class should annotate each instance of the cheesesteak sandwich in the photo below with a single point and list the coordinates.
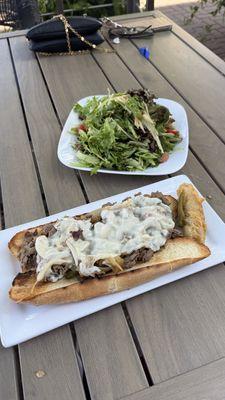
(111, 249)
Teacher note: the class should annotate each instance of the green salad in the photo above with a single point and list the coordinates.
(124, 131)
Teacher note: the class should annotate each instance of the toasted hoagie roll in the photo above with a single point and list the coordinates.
(108, 250)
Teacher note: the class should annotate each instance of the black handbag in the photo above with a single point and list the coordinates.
(62, 35)
(54, 28)
(59, 45)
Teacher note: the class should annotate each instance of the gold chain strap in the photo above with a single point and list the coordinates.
(68, 28)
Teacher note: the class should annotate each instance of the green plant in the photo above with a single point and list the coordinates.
(80, 7)
(46, 6)
(218, 4)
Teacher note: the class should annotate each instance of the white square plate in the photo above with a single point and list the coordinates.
(177, 159)
(20, 322)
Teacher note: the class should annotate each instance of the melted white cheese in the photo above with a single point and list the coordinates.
(136, 223)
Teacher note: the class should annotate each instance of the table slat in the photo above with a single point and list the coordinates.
(195, 44)
(53, 357)
(205, 383)
(8, 378)
(176, 324)
(115, 70)
(110, 359)
(17, 171)
(60, 184)
(196, 80)
(71, 78)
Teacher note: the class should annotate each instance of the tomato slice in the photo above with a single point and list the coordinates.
(82, 127)
(173, 131)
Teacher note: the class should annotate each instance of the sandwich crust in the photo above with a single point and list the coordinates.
(176, 253)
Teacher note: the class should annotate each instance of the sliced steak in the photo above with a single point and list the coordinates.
(160, 196)
(130, 259)
(145, 254)
(48, 230)
(141, 255)
(27, 255)
(29, 263)
(28, 252)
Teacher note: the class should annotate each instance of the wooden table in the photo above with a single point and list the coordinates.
(168, 344)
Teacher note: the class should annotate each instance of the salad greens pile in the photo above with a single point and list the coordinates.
(123, 131)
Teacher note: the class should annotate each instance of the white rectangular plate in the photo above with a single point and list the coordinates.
(20, 322)
(177, 159)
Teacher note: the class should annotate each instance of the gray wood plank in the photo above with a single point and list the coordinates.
(8, 378)
(17, 171)
(110, 359)
(71, 78)
(115, 70)
(101, 185)
(200, 48)
(45, 131)
(205, 383)
(80, 71)
(49, 367)
(202, 139)
(175, 324)
(196, 80)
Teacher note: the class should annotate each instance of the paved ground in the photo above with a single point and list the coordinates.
(179, 10)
